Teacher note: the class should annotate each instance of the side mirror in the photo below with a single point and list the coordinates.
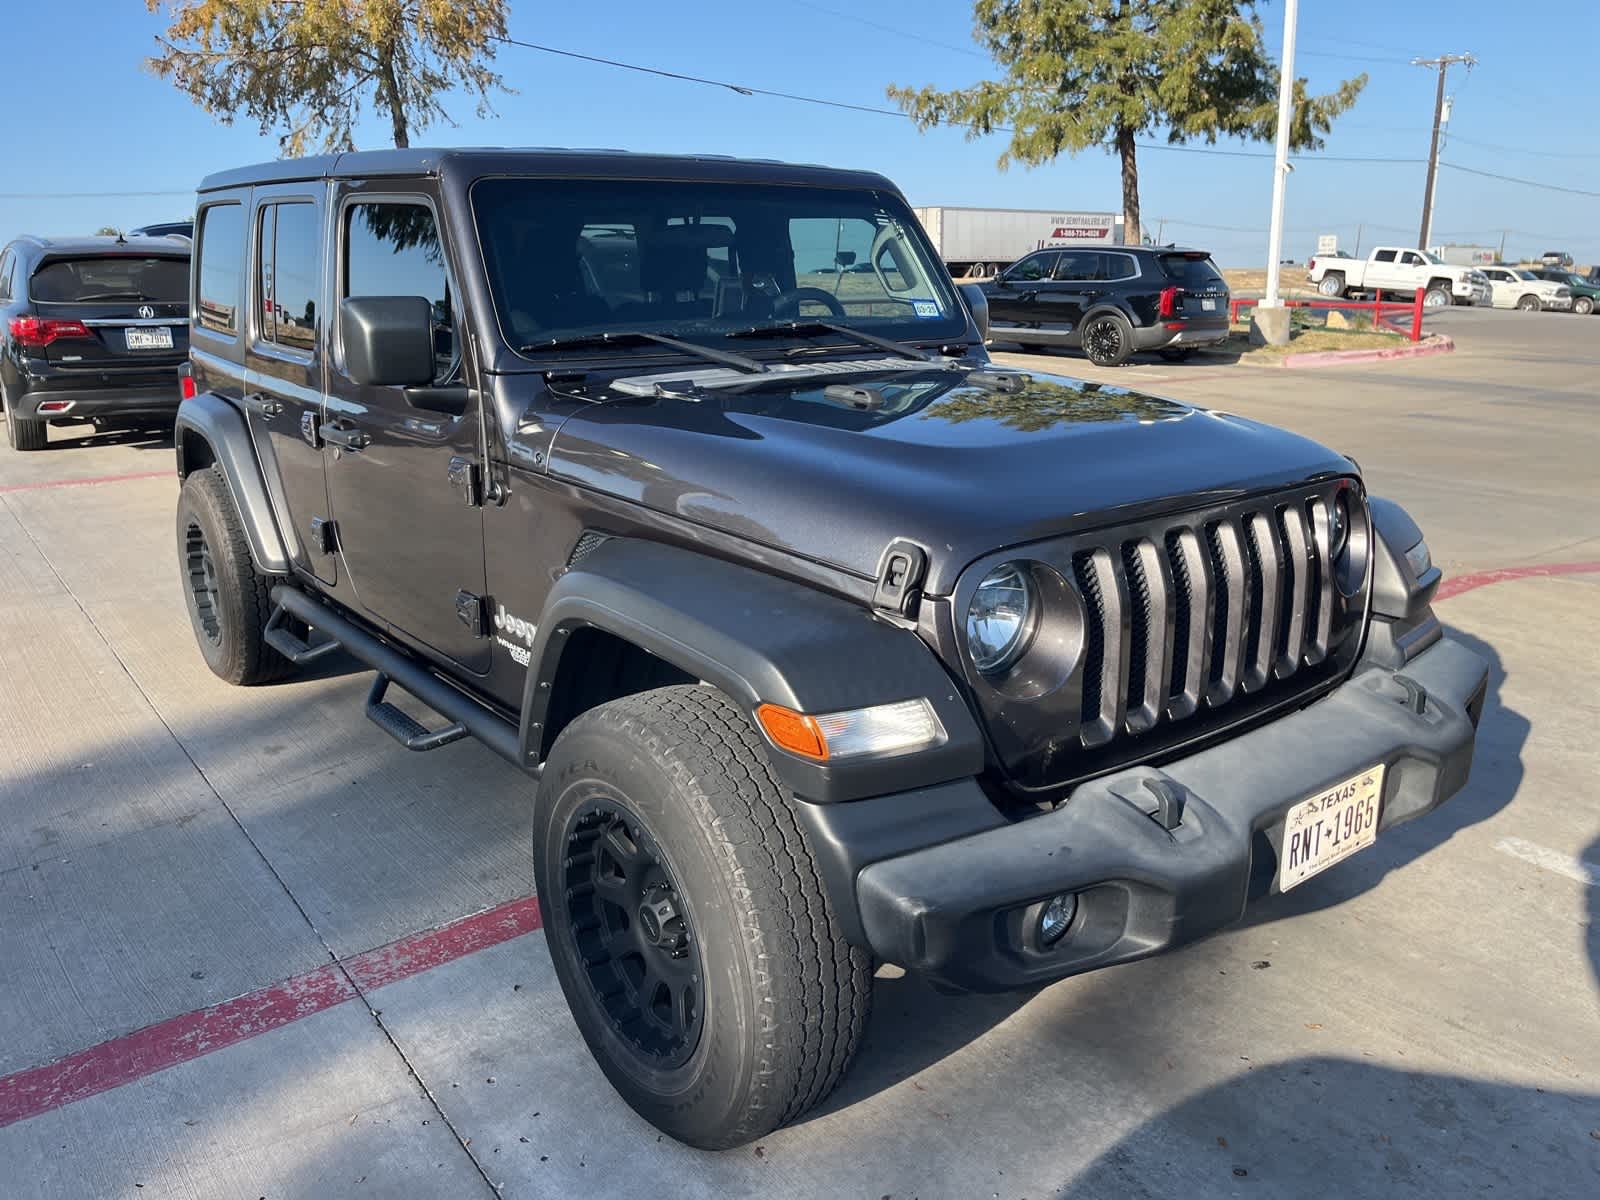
(845, 258)
(977, 305)
(388, 340)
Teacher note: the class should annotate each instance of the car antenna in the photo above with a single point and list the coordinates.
(122, 239)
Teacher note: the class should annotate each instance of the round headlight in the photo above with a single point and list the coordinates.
(1000, 618)
(1339, 526)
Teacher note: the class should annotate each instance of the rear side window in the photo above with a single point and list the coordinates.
(1120, 266)
(221, 267)
(1192, 271)
(6, 264)
(391, 248)
(288, 264)
(1080, 264)
(110, 278)
(1383, 256)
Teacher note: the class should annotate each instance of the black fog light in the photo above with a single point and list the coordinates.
(1056, 917)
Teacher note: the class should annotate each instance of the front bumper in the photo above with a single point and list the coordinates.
(953, 911)
(1557, 303)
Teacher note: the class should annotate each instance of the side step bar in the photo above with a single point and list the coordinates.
(466, 715)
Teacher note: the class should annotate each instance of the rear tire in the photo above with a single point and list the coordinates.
(228, 600)
(1107, 339)
(1332, 285)
(24, 433)
(1529, 304)
(660, 812)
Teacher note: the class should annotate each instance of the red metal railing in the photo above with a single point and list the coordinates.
(1384, 312)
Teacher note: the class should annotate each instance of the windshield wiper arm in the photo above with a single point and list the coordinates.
(624, 337)
(804, 328)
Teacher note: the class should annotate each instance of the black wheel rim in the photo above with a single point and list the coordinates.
(202, 573)
(630, 928)
(1103, 340)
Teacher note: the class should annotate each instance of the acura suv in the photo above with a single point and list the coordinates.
(92, 329)
(1111, 303)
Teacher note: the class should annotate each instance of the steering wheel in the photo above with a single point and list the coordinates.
(787, 304)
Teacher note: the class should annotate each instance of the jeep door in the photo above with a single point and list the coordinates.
(284, 362)
(410, 538)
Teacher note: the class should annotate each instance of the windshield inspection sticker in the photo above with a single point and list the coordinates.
(925, 308)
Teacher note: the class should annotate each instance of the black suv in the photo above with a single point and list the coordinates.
(91, 329)
(1111, 303)
(821, 640)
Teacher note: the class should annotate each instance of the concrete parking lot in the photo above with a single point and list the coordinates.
(249, 947)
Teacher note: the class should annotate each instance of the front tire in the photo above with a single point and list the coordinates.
(1583, 305)
(687, 920)
(227, 598)
(1529, 304)
(1107, 339)
(1436, 297)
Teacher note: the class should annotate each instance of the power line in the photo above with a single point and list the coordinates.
(1533, 183)
(905, 33)
(1456, 137)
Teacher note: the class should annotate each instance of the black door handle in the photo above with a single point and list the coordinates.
(264, 407)
(346, 437)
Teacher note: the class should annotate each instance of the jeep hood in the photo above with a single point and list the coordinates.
(958, 468)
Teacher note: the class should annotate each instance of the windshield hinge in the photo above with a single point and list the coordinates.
(900, 576)
(466, 477)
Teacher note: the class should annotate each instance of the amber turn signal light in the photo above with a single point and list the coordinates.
(792, 731)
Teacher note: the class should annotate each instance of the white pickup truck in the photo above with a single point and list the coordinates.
(1398, 269)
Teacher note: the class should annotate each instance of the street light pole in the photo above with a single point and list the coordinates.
(1443, 64)
(1280, 158)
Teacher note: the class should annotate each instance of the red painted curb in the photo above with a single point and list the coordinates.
(123, 1060)
(91, 482)
(1455, 585)
(1437, 343)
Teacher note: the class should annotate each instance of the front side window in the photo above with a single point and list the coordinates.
(221, 272)
(1032, 269)
(288, 259)
(392, 248)
(572, 257)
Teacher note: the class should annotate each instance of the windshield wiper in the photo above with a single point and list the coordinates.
(112, 296)
(812, 328)
(623, 337)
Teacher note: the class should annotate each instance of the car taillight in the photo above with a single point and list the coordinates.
(187, 388)
(1169, 301)
(38, 331)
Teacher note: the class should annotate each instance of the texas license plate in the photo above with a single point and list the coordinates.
(1208, 305)
(1330, 827)
(154, 337)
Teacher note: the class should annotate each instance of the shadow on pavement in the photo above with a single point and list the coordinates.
(72, 437)
(1323, 1126)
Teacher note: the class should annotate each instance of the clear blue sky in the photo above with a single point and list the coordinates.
(87, 117)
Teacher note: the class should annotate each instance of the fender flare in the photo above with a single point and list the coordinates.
(221, 426)
(759, 639)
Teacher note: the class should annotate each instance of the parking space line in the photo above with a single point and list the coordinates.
(1457, 584)
(111, 1064)
(1582, 870)
(92, 481)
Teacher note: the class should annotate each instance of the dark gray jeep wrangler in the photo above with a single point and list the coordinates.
(687, 485)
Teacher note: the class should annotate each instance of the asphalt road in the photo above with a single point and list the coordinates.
(222, 971)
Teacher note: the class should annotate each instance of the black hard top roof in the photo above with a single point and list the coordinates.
(66, 247)
(552, 161)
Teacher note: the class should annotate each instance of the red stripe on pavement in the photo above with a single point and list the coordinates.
(93, 481)
(1455, 585)
(131, 1057)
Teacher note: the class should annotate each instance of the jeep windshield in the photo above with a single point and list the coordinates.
(571, 259)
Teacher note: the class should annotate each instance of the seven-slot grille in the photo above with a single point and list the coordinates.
(1206, 610)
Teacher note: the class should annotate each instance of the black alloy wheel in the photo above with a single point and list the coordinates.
(200, 573)
(1106, 341)
(631, 931)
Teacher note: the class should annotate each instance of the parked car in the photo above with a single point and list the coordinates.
(822, 639)
(183, 229)
(91, 329)
(1518, 287)
(1556, 258)
(1585, 293)
(1398, 269)
(1111, 303)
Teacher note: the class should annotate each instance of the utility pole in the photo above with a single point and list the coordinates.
(1273, 326)
(1442, 64)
